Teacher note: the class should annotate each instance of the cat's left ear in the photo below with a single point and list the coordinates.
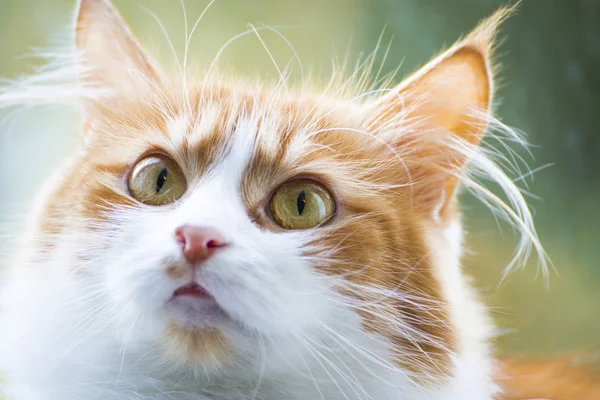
(109, 55)
(438, 116)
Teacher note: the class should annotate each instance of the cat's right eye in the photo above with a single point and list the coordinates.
(157, 180)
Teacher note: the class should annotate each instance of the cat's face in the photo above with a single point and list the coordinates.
(282, 188)
(219, 211)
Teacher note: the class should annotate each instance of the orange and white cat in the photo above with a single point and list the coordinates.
(214, 239)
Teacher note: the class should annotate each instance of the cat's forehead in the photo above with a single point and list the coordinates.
(267, 129)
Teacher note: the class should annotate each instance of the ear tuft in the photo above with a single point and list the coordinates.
(483, 38)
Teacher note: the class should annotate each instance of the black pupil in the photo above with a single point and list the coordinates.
(161, 179)
(301, 202)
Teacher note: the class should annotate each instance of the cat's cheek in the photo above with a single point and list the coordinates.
(277, 294)
(137, 283)
(133, 270)
(134, 289)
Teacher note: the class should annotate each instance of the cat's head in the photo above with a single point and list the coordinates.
(224, 213)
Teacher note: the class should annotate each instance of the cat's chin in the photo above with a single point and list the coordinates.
(193, 312)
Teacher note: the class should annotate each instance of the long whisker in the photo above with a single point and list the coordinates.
(188, 39)
(166, 35)
(282, 79)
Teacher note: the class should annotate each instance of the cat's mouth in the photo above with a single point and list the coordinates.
(192, 305)
(193, 290)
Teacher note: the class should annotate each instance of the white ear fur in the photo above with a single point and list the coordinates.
(110, 56)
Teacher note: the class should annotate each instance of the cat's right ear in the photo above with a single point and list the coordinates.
(109, 56)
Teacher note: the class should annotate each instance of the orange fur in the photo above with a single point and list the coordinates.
(205, 347)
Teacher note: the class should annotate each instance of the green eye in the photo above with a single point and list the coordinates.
(157, 180)
(301, 204)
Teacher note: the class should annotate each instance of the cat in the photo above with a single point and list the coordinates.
(213, 239)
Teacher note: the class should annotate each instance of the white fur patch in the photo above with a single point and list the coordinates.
(208, 118)
(177, 129)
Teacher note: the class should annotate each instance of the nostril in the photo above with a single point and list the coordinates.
(180, 236)
(214, 244)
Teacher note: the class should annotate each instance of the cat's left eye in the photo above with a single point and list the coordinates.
(301, 204)
(157, 180)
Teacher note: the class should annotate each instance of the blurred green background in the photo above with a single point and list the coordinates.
(551, 90)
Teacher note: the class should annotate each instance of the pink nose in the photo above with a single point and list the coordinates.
(199, 242)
